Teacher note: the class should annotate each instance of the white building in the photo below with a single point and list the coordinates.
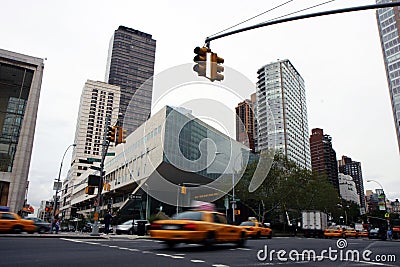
(282, 112)
(169, 151)
(99, 101)
(348, 190)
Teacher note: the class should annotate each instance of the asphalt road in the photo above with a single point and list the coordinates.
(59, 252)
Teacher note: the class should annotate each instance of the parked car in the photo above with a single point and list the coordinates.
(41, 226)
(131, 227)
(12, 222)
(350, 232)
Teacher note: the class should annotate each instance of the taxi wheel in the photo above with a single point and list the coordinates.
(270, 236)
(17, 229)
(242, 240)
(258, 235)
(210, 239)
(170, 244)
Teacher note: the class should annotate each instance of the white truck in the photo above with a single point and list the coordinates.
(314, 223)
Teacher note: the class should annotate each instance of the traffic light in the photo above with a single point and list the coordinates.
(183, 190)
(216, 68)
(121, 135)
(89, 190)
(201, 60)
(111, 133)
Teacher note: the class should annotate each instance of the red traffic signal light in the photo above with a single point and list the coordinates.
(201, 60)
(216, 68)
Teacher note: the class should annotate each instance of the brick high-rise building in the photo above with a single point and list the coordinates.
(323, 156)
(245, 129)
(130, 64)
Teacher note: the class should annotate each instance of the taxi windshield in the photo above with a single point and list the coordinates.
(188, 215)
(248, 224)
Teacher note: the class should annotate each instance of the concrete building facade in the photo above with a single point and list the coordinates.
(165, 152)
(20, 84)
(99, 102)
(348, 190)
(282, 112)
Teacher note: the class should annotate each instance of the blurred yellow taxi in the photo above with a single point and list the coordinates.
(256, 229)
(362, 233)
(333, 231)
(11, 222)
(350, 232)
(197, 226)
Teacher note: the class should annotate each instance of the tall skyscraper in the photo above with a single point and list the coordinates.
(323, 156)
(130, 64)
(99, 101)
(389, 30)
(282, 112)
(353, 168)
(245, 129)
(20, 83)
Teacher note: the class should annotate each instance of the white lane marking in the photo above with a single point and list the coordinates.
(177, 257)
(112, 246)
(243, 248)
(197, 261)
(220, 265)
(124, 248)
(133, 249)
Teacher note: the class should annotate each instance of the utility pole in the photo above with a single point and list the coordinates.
(95, 230)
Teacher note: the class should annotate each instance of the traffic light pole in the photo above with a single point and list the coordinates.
(312, 15)
(106, 143)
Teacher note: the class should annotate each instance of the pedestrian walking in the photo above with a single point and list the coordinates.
(114, 222)
(389, 234)
(57, 225)
(107, 221)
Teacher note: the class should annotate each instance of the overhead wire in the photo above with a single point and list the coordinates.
(273, 18)
(252, 18)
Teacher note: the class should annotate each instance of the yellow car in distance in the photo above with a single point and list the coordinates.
(196, 226)
(350, 232)
(362, 233)
(333, 231)
(256, 229)
(11, 222)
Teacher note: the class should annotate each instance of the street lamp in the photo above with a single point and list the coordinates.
(384, 195)
(147, 201)
(57, 185)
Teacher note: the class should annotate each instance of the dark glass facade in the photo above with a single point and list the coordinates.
(353, 168)
(15, 83)
(130, 64)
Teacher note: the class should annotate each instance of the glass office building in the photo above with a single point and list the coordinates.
(282, 112)
(20, 83)
(389, 27)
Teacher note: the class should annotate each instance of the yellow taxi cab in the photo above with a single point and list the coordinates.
(362, 233)
(256, 229)
(197, 226)
(350, 232)
(333, 231)
(11, 222)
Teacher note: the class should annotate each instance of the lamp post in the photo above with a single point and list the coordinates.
(383, 191)
(57, 185)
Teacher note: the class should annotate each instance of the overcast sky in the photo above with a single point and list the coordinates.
(338, 56)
